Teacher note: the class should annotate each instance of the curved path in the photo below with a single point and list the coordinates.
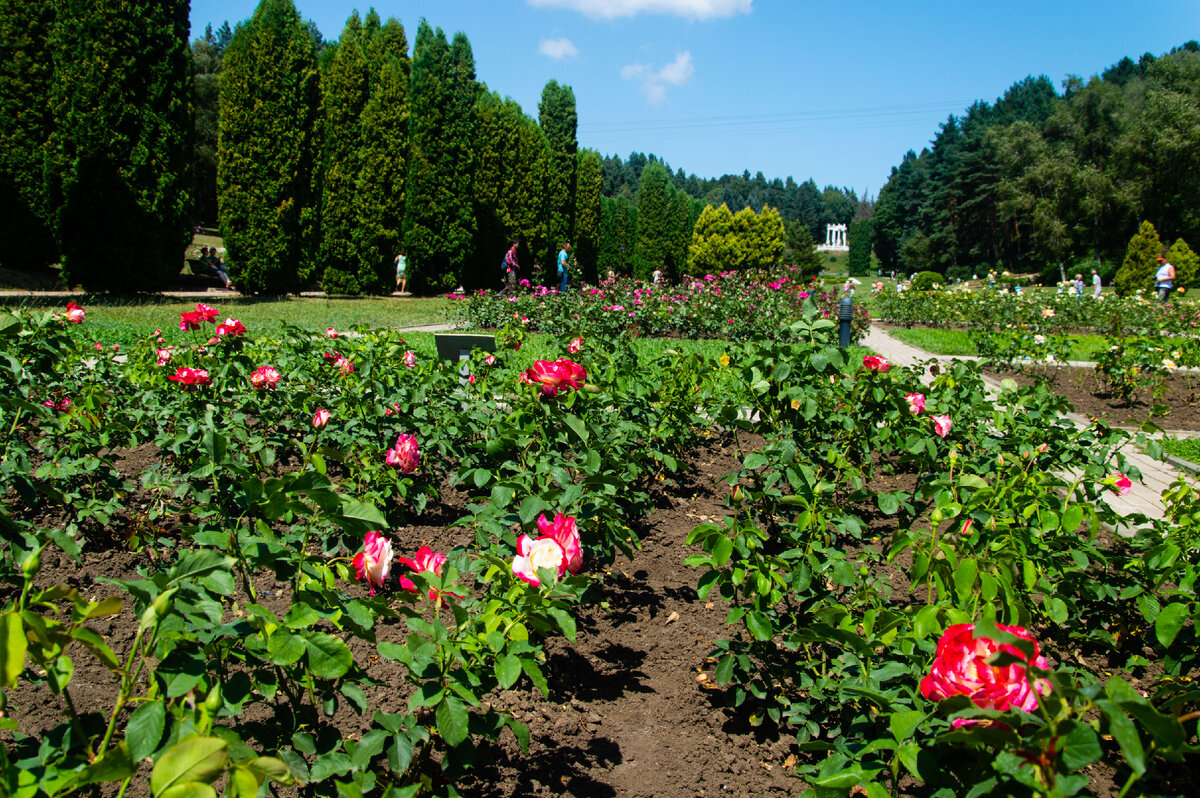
(1145, 496)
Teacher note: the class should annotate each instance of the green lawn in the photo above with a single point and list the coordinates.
(1187, 448)
(958, 343)
(122, 320)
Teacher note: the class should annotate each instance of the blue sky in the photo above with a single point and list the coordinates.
(835, 91)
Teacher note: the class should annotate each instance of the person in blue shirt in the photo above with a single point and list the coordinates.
(562, 267)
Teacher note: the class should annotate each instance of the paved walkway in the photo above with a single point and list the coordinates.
(1145, 496)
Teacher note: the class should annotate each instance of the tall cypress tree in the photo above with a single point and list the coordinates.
(345, 89)
(586, 239)
(439, 212)
(558, 120)
(384, 153)
(654, 239)
(266, 170)
(25, 126)
(120, 99)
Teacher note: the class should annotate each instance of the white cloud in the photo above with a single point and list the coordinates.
(655, 83)
(557, 48)
(612, 9)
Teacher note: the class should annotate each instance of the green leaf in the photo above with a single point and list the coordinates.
(1056, 608)
(1072, 518)
(564, 621)
(531, 507)
(580, 429)
(903, 724)
(725, 669)
(399, 754)
(192, 759)
(759, 625)
(190, 789)
(1080, 747)
(284, 648)
(754, 460)
(328, 657)
(452, 720)
(1170, 620)
(12, 654)
(964, 578)
(508, 670)
(145, 729)
(1125, 733)
(360, 515)
(115, 765)
(334, 763)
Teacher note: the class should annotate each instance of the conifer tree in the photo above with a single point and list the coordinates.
(681, 226)
(1186, 263)
(384, 154)
(586, 239)
(802, 250)
(121, 144)
(767, 250)
(25, 126)
(654, 221)
(1141, 261)
(345, 89)
(558, 121)
(618, 236)
(439, 212)
(714, 244)
(858, 237)
(266, 166)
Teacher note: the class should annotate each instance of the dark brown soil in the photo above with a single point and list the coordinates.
(630, 712)
(1179, 393)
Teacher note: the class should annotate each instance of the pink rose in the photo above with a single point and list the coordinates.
(1120, 483)
(533, 554)
(555, 376)
(232, 328)
(321, 418)
(428, 561)
(876, 363)
(164, 356)
(375, 560)
(490, 359)
(75, 314)
(916, 403)
(941, 425)
(189, 320)
(410, 359)
(189, 377)
(960, 667)
(206, 313)
(404, 456)
(264, 377)
(330, 332)
(575, 345)
(564, 531)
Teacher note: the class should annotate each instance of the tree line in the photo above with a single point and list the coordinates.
(1050, 182)
(320, 161)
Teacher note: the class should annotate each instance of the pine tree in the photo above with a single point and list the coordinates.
(558, 121)
(1141, 262)
(121, 143)
(586, 238)
(768, 245)
(715, 246)
(439, 212)
(681, 226)
(802, 250)
(266, 165)
(206, 113)
(25, 127)
(654, 221)
(858, 237)
(384, 155)
(1185, 261)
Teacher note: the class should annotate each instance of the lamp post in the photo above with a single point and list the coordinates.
(845, 316)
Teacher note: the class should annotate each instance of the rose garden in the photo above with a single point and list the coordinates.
(316, 562)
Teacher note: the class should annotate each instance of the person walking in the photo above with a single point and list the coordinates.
(1164, 279)
(1097, 284)
(401, 272)
(1078, 286)
(511, 267)
(563, 273)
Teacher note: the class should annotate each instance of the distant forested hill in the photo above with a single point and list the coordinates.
(1042, 178)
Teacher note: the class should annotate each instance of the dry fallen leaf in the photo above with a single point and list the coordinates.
(673, 617)
(708, 605)
(790, 762)
(766, 765)
(702, 678)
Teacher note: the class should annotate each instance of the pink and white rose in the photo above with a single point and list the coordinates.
(941, 425)
(405, 456)
(374, 562)
(916, 403)
(545, 552)
(876, 363)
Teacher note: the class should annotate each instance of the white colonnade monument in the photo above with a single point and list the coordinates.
(835, 239)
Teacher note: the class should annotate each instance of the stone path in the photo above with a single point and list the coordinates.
(1145, 497)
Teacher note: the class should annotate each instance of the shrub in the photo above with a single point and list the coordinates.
(927, 281)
